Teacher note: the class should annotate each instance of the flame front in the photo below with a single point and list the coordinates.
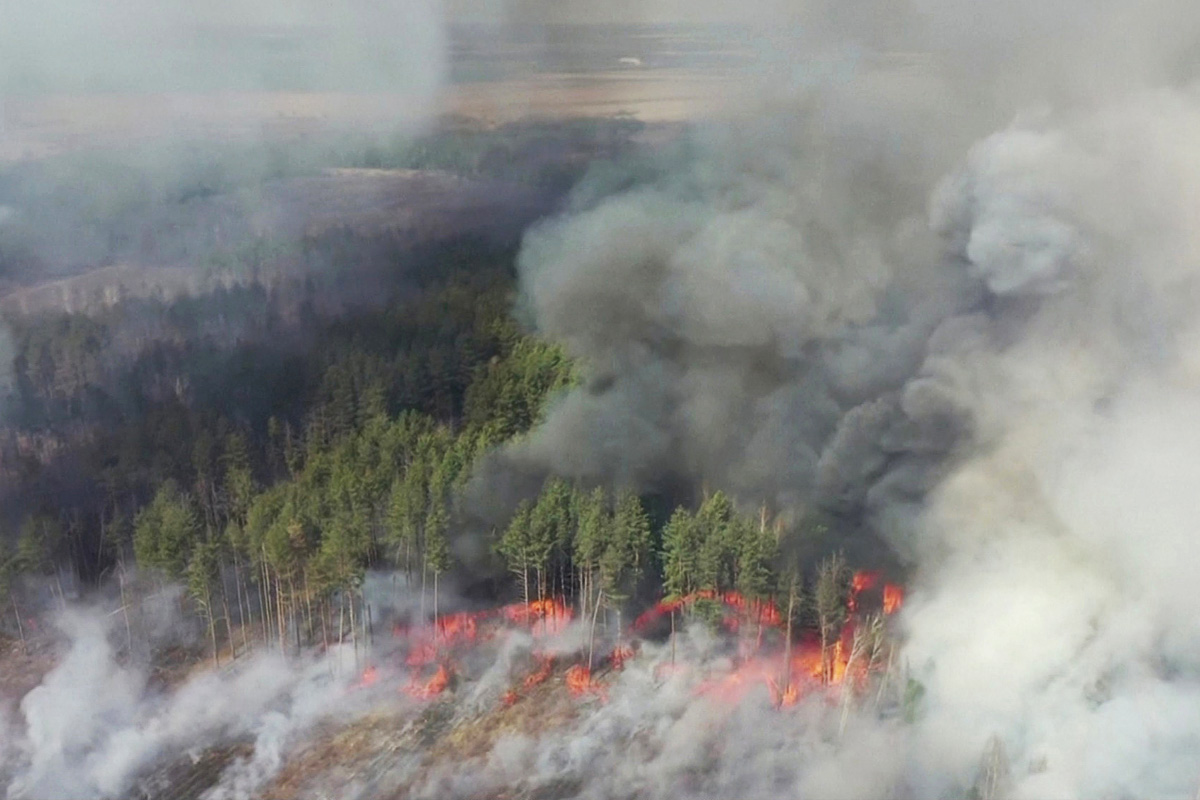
(761, 659)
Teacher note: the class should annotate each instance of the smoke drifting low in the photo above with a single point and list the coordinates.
(106, 722)
(983, 353)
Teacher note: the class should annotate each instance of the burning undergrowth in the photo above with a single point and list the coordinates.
(473, 688)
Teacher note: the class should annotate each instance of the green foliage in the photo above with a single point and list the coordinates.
(203, 572)
(757, 550)
(912, 703)
(709, 612)
(592, 532)
(682, 540)
(166, 530)
(39, 541)
(626, 552)
(437, 548)
(515, 544)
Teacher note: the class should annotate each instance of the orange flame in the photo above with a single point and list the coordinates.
(369, 677)
(545, 667)
(620, 655)
(545, 617)
(763, 613)
(893, 598)
(861, 582)
(580, 682)
(435, 686)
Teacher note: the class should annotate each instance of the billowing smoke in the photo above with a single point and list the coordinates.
(99, 724)
(984, 354)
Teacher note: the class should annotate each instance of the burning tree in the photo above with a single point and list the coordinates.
(830, 605)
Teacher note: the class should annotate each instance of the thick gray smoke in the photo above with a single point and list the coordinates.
(985, 352)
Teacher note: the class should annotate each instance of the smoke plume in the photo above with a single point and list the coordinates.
(980, 352)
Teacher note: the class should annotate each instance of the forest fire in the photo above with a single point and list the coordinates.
(790, 665)
(738, 608)
(431, 688)
(893, 598)
(581, 683)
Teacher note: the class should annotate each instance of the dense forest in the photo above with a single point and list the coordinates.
(266, 451)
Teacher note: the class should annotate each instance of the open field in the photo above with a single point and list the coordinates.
(35, 127)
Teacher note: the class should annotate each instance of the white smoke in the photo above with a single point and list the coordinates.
(95, 725)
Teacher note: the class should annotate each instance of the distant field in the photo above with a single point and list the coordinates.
(40, 126)
(655, 74)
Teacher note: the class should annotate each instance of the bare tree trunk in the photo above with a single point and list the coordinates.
(124, 611)
(672, 637)
(353, 630)
(21, 628)
(308, 607)
(341, 618)
(424, 571)
(212, 631)
(324, 609)
(787, 649)
(280, 612)
(228, 622)
(264, 592)
(370, 632)
(237, 585)
(592, 633)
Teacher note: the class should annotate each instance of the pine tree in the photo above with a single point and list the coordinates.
(514, 546)
(717, 550)
(829, 599)
(437, 548)
(549, 529)
(203, 572)
(238, 479)
(681, 552)
(591, 537)
(165, 531)
(624, 557)
(755, 554)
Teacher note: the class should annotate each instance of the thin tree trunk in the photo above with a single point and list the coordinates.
(228, 622)
(264, 598)
(341, 619)
(308, 607)
(787, 651)
(672, 637)
(124, 613)
(324, 626)
(212, 635)
(424, 571)
(21, 628)
(281, 614)
(435, 606)
(237, 587)
(370, 633)
(353, 630)
(592, 634)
